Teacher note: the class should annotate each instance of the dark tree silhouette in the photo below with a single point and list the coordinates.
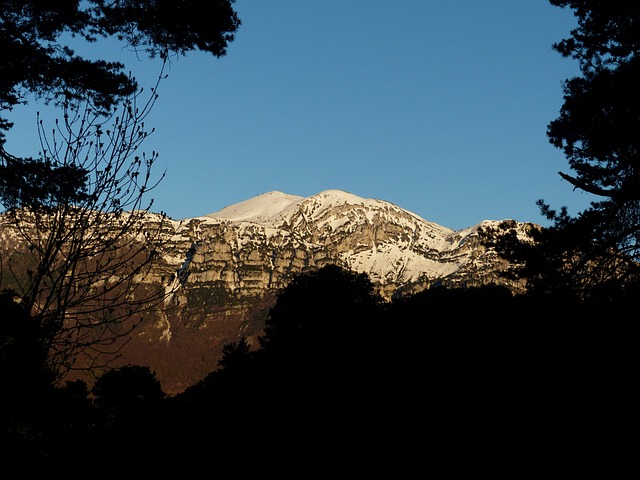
(127, 388)
(344, 380)
(39, 424)
(301, 397)
(23, 350)
(597, 131)
(74, 208)
(235, 355)
(129, 404)
(37, 60)
(24, 378)
(68, 246)
(315, 303)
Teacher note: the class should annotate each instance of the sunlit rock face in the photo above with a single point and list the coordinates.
(222, 271)
(258, 245)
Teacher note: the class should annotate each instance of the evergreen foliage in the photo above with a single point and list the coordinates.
(597, 130)
(37, 60)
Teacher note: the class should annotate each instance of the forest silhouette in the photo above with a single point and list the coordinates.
(345, 380)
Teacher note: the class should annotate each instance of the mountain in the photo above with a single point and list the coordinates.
(228, 266)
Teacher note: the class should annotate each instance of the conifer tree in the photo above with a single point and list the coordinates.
(597, 129)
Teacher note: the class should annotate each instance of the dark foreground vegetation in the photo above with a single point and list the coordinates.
(345, 381)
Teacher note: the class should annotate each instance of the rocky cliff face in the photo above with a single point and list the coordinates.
(223, 271)
(257, 245)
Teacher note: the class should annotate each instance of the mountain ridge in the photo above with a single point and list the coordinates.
(223, 270)
(394, 239)
(269, 206)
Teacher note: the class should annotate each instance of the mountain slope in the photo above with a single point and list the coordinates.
(393, 246)
(223, 271)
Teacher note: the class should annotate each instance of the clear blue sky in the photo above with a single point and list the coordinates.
(440, 107)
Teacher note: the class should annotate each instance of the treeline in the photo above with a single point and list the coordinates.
(343, 380)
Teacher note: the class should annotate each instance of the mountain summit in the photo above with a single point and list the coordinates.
(262, 209)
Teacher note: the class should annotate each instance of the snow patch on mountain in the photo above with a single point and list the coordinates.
(390, 263)
(260, 209)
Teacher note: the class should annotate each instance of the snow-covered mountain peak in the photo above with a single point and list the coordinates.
(274, 204)
(332, 212)
(274, 207)
(259, 209)
(337, 197)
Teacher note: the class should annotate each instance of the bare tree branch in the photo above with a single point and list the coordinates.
(82, 253)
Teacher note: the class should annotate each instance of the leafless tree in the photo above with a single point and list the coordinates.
(81, 234)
